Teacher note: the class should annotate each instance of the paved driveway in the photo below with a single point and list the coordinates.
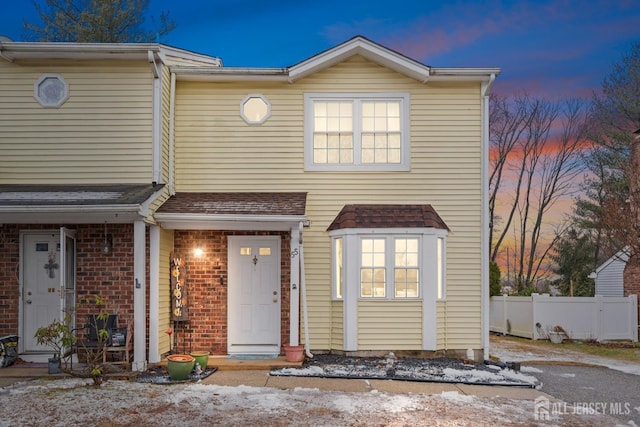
(592, 389)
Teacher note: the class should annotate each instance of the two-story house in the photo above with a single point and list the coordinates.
(340, 202)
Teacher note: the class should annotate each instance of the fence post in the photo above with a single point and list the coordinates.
(534, 316)
(633, 317)
(504, 314)
(598, 317)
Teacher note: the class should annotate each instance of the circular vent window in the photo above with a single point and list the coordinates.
(51, 90)
(255, 109)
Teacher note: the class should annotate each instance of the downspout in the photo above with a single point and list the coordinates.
(172, 112)
(484, 247)
(303, 295)
(157, 118)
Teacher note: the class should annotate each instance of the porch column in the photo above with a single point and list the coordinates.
(294, 288)
(139, 313)
(154, 293)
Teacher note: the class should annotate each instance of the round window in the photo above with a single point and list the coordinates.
(255, 109)
(51, 90)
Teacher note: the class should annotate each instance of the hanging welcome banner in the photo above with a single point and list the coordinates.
(178, 290)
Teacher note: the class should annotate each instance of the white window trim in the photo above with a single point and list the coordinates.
(351, 279)
(44, 102)
(390, 265)
(249, 120)
(405, 147)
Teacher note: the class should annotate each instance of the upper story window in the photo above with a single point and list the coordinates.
(255, 109)
(357, 131)
(51, 90)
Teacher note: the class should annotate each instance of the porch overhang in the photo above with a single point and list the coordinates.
(76, 204)
(230, 222)
(233, 211)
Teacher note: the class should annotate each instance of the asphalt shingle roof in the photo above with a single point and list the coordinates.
(76, 195)
(236, 203)
(387, 216)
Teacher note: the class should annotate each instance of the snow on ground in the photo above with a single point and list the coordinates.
(520, 351)
(442, 369)
(71, 402)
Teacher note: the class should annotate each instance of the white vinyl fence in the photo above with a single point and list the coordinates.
(599, 318)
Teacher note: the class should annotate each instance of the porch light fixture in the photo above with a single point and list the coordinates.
(106, 246)
(198, 252)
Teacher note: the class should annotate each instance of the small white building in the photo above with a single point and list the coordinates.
(608, 276)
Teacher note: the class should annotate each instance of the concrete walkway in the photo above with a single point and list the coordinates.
(261, 378)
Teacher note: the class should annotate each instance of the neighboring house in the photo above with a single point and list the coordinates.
(609, 275)
(340, 202)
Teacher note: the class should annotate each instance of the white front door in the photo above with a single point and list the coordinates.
(41, 285)
(48, 273)
(254, 295)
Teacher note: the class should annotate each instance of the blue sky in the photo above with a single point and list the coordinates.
(550, 48)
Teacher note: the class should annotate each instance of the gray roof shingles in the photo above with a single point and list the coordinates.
(76, 195)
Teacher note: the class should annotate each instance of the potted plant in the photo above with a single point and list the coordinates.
(59, 337)
(180, 366)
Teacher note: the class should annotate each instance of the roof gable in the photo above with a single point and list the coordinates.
(365, 48)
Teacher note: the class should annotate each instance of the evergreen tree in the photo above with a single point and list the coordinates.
(573, 255)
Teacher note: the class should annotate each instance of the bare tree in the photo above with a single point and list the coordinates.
(541, 149)
(96, 21)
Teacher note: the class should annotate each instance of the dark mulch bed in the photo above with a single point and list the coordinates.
(441, 369)
(160, 375)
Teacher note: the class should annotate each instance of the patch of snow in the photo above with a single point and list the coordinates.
(70, 402)
(531, 370)
(508, 351)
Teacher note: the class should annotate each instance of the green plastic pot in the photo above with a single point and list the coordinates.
(202, 358)
(180, 366)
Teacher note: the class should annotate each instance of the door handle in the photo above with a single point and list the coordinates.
(28, 301)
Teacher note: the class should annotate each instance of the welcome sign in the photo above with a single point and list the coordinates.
(178, 290)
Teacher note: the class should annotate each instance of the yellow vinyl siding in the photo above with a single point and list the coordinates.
(166, 247)
(101, 134)
(389, 325)
(217, 151)
(165, 83)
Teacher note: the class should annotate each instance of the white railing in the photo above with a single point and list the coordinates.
(599, 318)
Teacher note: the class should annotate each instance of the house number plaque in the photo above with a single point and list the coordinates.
(178, 290)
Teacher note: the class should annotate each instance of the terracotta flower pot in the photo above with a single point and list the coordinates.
(202, 358)
(180, 366)
(293, 353)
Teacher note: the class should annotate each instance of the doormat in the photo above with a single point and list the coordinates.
(160, 375)
(252, 356)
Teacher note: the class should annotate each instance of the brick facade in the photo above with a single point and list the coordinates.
(206, 285)
(108, 275)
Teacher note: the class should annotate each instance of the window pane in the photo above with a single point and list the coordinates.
(393, 124)
(264, 251)
(406, 268)
(321, 124)
(338, 267)
(393, 109)
(440, 268)
(372, 272)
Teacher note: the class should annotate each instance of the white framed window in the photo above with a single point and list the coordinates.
(389, 264)
(255, 109)
(364, 131)
(440, 269)
(338, 268)
(51, 90)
